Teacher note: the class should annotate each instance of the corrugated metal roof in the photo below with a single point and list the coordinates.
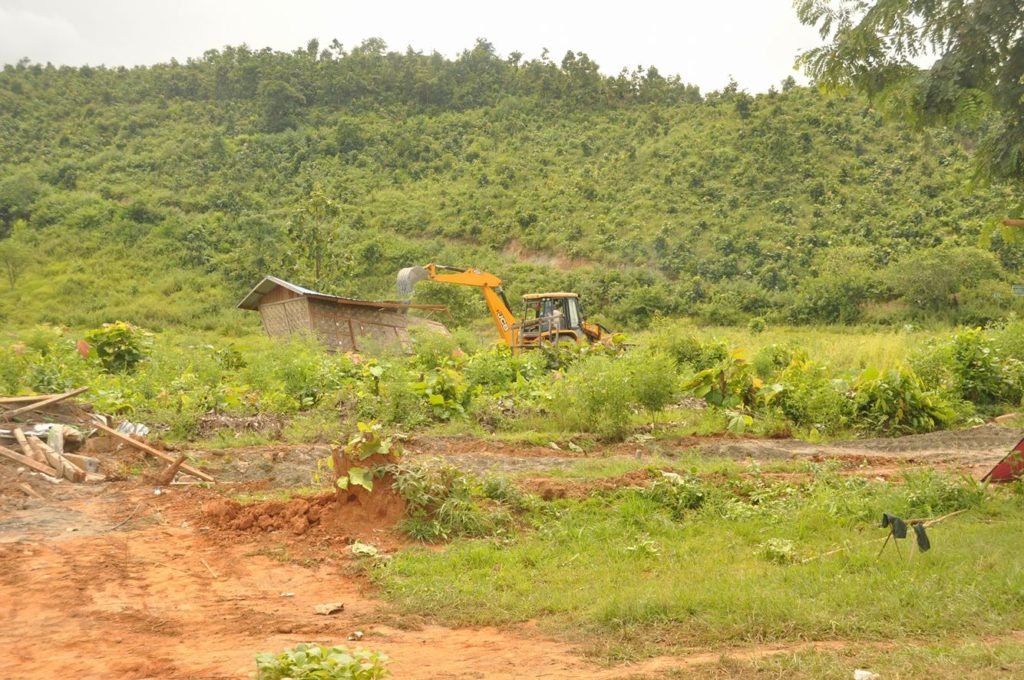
(269, 283)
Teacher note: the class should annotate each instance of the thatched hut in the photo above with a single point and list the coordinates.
(342, 324)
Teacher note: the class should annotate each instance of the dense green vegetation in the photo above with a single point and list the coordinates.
(255, 389)
(160, 194)
(975, 78)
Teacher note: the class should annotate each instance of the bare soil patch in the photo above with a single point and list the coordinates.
(115, 581)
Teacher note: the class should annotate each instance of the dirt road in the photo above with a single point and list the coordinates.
(112, 581)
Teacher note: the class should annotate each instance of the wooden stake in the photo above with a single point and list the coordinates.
(167, 476)
(45, 402)
(151, 451)
(28, 462)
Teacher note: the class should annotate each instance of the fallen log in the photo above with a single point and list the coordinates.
(45, 402)
(28, 462)
(151, 451)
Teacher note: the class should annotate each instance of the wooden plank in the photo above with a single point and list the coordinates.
(26, 399)
(25, 448)
(28, 462)
(67, 469)
(153, 452)
(45, 402)
(47, 453)
(1013, 223)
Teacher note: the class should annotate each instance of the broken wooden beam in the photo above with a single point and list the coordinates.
(151, 451)
(28, 462)
(87, 463)
(44, 403)
(66, 469)
(26, 448)
(48, 454)
(166, 476)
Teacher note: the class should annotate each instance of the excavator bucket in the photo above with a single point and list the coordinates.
(408, 278)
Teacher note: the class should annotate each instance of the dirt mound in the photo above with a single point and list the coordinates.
(349, 513)
(297, 515)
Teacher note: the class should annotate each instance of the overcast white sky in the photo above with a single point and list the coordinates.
(704, 41)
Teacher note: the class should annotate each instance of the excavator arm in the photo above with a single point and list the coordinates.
(489, 284)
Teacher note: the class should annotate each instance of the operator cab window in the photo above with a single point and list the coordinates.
(574, 312)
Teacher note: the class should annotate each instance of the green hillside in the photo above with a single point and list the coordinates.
(161, 194)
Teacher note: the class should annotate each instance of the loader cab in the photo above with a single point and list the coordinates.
(555, 312)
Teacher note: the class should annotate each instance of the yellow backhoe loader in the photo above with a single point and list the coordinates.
(549, 318)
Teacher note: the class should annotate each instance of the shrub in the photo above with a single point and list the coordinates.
(810, 398)
(684, 348)
(771, 359)
(653, 380)
(444, 391)
(731, 384)
(432, 349)
(930, 493)
(895, 402)
(316, 662)
(596, 396)
(119, 346)
(442, 503)
(677, 493)
(979, 375)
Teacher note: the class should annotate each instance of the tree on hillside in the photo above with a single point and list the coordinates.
(14, 258)
(280, 103)
(314, 234)
(979, 50)
(17, 194)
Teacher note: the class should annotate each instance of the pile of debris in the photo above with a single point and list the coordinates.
(51, 433)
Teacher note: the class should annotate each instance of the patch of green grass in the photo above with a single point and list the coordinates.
(633, 572)
(229, 439)
(687, 461)
(281, 494)
(969, 659)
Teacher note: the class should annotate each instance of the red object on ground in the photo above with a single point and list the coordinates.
(1010, 467)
